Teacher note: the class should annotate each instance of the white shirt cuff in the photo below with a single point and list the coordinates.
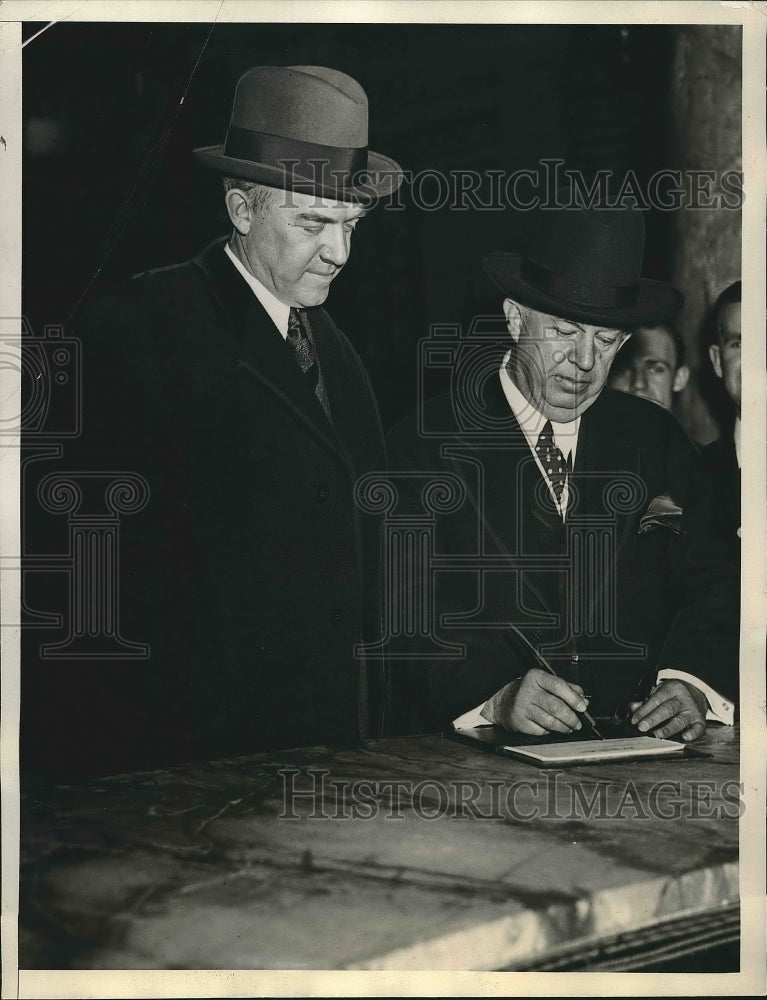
(471, 719)
(720, 709)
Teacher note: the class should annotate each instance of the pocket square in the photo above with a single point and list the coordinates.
(661, 512)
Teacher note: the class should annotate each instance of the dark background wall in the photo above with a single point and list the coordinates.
(110, 186)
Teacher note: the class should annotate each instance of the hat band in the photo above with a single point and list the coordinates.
(308, 159)
(582, 293)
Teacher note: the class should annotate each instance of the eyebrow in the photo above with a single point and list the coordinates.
(572, 322)
(327, 219)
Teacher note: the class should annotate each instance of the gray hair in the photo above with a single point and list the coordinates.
(258, 196)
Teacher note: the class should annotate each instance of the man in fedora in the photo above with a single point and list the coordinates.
(251, 575)
(581, 526)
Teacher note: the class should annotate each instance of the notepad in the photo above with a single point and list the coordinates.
(593, 751)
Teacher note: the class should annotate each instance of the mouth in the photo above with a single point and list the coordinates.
(572, 385)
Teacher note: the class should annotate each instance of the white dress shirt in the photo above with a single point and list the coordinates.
(532, 423)
(278, 311)
(720, 709)
(736, 436)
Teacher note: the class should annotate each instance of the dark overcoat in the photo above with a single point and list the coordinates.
(251, 572)
(610, 596)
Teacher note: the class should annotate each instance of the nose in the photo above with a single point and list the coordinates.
(638, 379)
(335, 246)
(582, 351)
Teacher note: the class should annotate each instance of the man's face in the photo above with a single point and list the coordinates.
(648, 368)
(560, 365)
(725, 354)
(297, 243)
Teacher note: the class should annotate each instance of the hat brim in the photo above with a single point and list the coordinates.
(379, 179)
(656, 301)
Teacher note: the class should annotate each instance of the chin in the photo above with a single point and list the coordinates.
(315, 297)
(566, 410)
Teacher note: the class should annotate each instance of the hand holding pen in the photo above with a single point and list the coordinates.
(540, 702)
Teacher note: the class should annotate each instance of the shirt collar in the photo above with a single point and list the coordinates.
(279, 313)
(532, 422)
(736, 436)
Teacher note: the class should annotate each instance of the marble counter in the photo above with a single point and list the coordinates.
(414, 853)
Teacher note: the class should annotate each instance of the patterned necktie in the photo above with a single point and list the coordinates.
(306, 357)
(552, 460)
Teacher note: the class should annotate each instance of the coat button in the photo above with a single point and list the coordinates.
(321, 494)
(335, 618)
(574, 659)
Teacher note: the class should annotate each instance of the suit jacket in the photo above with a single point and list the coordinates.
(607, 602)
(251, 572)
(721, 463)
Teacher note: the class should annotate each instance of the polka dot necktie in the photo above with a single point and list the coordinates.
(552, 460)
(306, 356)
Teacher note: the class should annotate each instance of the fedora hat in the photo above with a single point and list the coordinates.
(304, 128)
(585, 264)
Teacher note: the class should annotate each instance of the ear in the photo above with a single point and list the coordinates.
(681, 379)
(513, 314)
(239, 210)
(716, 359)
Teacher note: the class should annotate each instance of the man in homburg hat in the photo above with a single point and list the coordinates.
(250, 575)
(580, 521)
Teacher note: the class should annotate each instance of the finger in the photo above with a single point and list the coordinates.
(527, 726)
(672, 727)
(694, 732)
(660, 697)
(564, 691)
(645, 708)
(685, 723)
(550, 723)
(554, 706)
(665, 711)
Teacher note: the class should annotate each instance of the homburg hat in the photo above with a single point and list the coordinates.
(585, 264)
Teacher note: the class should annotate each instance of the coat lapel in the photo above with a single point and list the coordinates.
(607, 470)
(509, 494)
(262, 350)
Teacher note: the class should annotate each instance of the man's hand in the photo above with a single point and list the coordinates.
(536, 704)
(675, 707)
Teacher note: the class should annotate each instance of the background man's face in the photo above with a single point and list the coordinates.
(298, 243)
(725, 354)
(646, 366)
(560, 365)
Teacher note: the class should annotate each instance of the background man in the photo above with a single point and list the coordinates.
(594, 500)
(723, 457)
(651, 365)
(250, 573)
